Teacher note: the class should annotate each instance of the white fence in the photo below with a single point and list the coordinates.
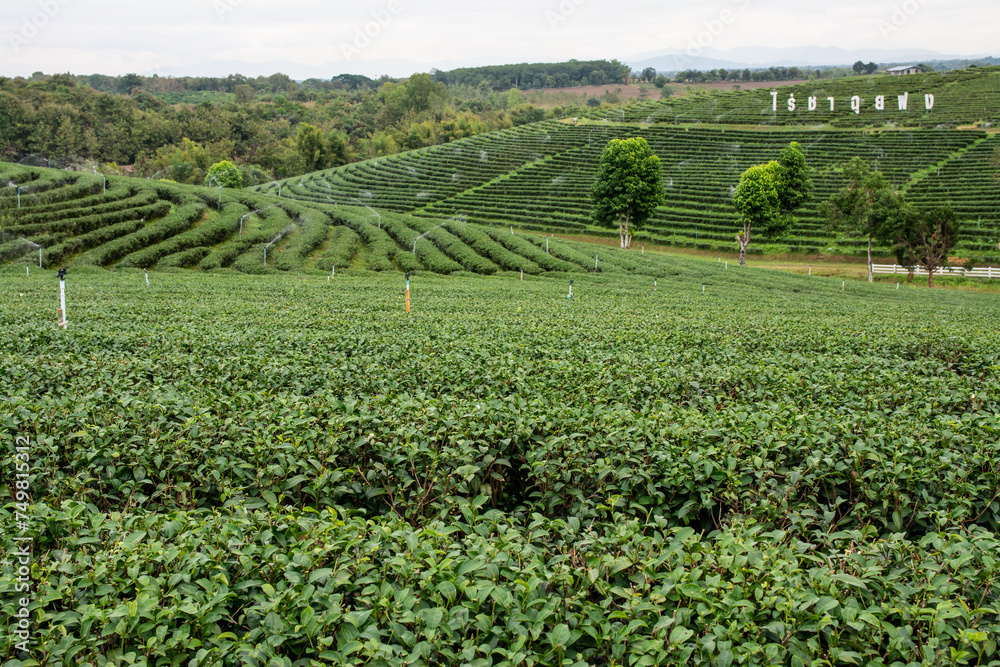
(957, 271)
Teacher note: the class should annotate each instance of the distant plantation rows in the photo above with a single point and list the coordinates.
(539, 178)
(440, 208)
(961, 97)
(69, 219)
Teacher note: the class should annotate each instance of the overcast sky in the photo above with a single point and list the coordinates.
(179, 36)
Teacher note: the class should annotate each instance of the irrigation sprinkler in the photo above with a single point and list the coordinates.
(842, 285)
(62, 298)
(279, 190)
(407, 292)
(522, 275)
(105, 182)
(546, 246)
(275, 240)
(146, 272)
(512, 230)
(570, 290)
(810, 269)
(373, 211)
(595, 262)
(656, 285)
(428, 232)
(19, 197)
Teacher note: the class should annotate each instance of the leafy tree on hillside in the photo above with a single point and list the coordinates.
(867, 207)
(768, 194)
(309, 142)
(858, 67)
(629, 187)
(649, 74)
(225, 174)
(925, 239)
(319, 151)
(794, 178)
(757, 201)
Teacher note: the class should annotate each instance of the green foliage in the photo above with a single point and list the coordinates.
(319, 151)
(539, 75)
(926, 238)
(758, 201)
(629, 187)
(286, 470)
(794, 179)
(867, 206)
(225, 174)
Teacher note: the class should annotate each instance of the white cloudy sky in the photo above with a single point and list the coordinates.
(119, 36)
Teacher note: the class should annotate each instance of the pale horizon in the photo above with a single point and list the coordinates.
(371, 37)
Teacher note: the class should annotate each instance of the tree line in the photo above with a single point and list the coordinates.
(629, 188)
(527, 76)
(270, 127)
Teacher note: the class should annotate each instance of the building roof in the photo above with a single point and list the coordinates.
(903, 68)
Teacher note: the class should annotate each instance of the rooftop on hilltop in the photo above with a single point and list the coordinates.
(906, 69)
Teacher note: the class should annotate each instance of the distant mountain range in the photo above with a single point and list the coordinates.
(802, 56)
(666, 61)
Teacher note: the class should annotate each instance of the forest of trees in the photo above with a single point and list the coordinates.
(538, 75)
(748, 75)
(271, 126)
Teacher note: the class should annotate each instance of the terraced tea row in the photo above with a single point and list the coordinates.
(137, 224)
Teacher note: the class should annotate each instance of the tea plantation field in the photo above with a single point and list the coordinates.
(738, 467)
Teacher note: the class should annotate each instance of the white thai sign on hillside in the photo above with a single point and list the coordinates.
(812, 103)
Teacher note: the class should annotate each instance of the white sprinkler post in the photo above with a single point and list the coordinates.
(39, 257)
(62, 298)
(570, 290)
(218, 208)
(595, 262)
(105, 183)
(19, 197)
(147, 276)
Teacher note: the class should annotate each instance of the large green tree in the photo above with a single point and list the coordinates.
(759, 205)
(867, 206)
(794, 183)
(926, 237)
(224, 174)
(768, 195)
(629, 187)
(321, 151)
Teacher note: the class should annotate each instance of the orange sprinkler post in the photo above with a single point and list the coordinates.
(407, 292)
